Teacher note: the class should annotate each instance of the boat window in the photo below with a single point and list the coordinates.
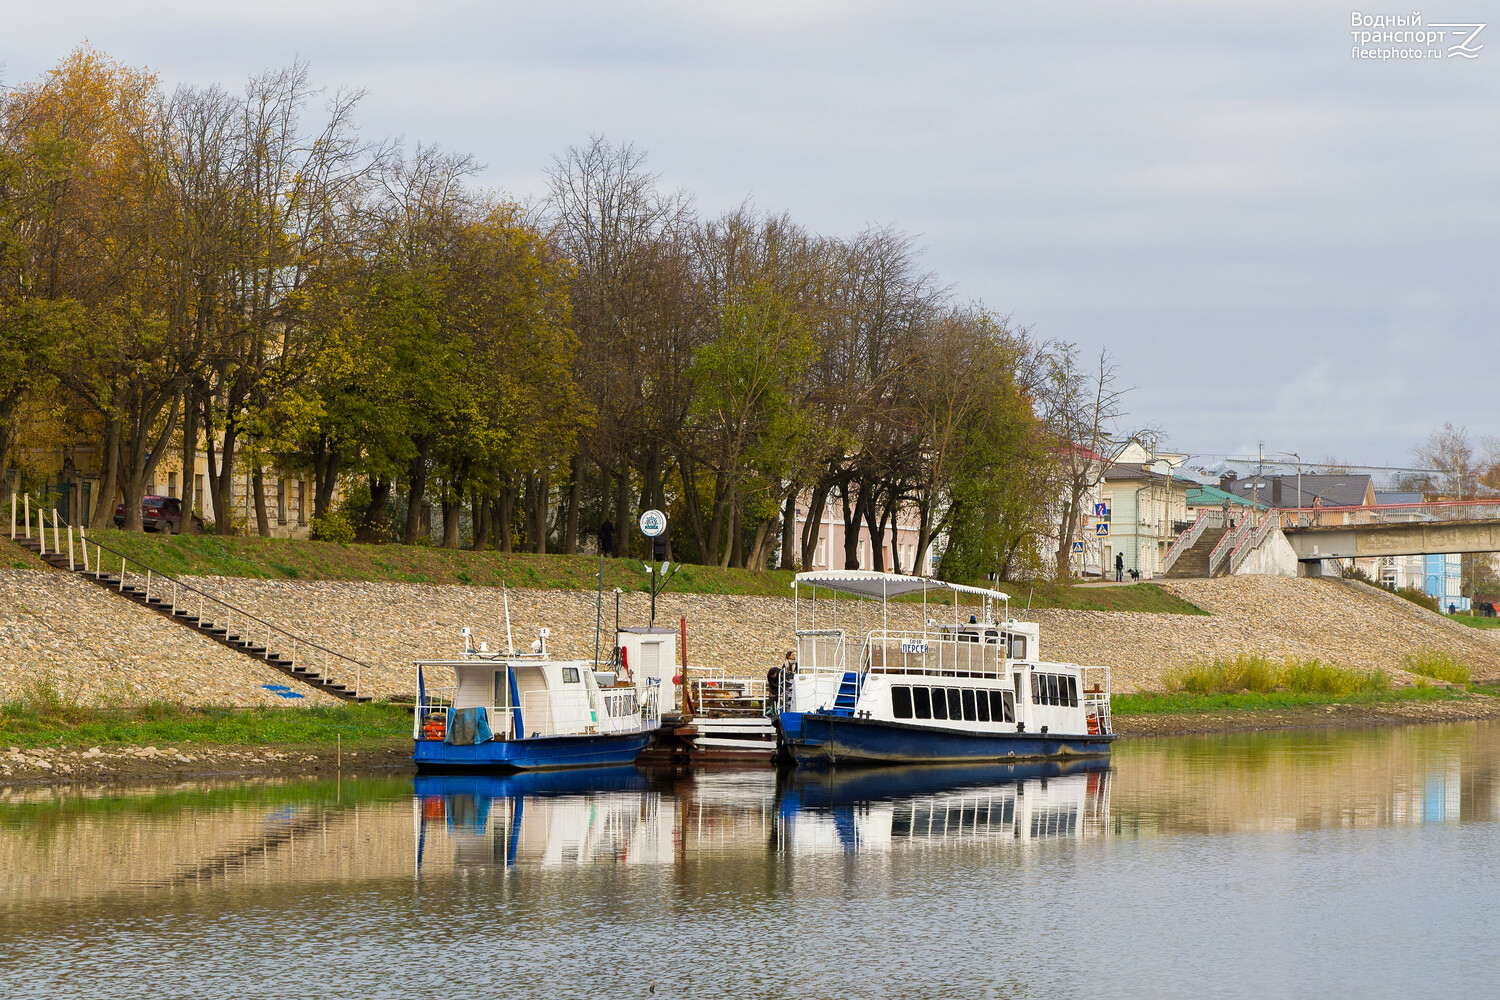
(1036, 689)
(1053, 697)
(955, 704)
(939, 703)
(501, 689)
(1010, 706)
(922, 703)
(968, 702)
(1017, 647)
(570, 675)
(1073, 691)
(997, 706)
(991, 636)
(983, 698)
(901, 701)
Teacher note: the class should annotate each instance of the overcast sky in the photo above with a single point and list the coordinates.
(1278, 241)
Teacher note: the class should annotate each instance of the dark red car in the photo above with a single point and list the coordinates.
(162, 514)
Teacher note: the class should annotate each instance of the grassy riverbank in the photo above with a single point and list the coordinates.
(297, 559)
(1258, 701)
(41, 718)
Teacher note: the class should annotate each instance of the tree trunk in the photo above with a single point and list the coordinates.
(258, 486)
(853, 514)
(452, 507)
(789, 530)
(732, 505)
(812, 527)
(505, 514)
(694, 507)
(189, 460)
(380, 494)
(622, 515)
(539, 513)
(325, 469)
(220, 471)
(760, 549)
(140, 454)
(109, 482)
(575, 499)
(877, 534)
(480, 512)
(416, 474)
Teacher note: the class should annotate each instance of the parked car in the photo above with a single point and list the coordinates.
(162, 514)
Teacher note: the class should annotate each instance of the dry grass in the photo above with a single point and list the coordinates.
(1257, 673)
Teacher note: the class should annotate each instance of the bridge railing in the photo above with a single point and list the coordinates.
(1404, 513)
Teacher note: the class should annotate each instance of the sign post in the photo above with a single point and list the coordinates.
(654, 527)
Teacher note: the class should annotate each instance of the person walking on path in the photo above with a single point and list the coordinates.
(1119, 567)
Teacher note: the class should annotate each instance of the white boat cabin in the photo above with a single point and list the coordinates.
(530, 695)
(982, 675)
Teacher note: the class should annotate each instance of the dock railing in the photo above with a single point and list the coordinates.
(183, 600)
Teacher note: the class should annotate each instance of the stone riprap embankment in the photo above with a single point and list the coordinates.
(101, 648)
(1339, 622)
(104, 644)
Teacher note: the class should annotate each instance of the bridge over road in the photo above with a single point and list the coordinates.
(1318, 533)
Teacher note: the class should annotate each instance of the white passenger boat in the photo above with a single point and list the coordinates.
(975, 689)
(523, 710)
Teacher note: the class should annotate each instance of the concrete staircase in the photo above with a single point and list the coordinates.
(270, 646)
(1194, 562)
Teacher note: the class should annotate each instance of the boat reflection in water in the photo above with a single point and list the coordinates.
(623, 815)
(544, 817)
(866, 810)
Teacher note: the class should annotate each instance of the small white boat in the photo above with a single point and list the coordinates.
(520, 711)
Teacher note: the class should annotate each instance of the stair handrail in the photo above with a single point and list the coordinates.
(1251, 542)
(359, 666)
(1221, 551)
(1189, 538)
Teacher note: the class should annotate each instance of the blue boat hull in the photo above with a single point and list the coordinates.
(540, 754)
(835, 739)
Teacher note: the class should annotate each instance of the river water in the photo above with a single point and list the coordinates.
(1319, 864)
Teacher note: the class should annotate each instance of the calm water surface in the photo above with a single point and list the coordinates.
(1331, 864)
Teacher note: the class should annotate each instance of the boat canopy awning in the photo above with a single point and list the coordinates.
(873, 583)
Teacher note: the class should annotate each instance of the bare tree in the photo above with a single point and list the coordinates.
(1450, 454)
(1078, 407)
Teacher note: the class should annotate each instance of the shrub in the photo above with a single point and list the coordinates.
(1419, 596)
(1257, 672)
(334, 526)
(1437, 665)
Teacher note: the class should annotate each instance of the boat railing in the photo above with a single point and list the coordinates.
(1094, 685)
(431, 708)
(932, 654)
(821, 651)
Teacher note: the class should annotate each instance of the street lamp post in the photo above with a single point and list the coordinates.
(1298, 457)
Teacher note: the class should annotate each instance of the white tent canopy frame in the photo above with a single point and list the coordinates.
(873, 583)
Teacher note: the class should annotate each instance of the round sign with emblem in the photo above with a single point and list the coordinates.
(653, 523)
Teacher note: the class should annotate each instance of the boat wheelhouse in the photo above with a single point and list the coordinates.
(975, 689)
(519, 711)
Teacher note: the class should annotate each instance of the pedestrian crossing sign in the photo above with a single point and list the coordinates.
(1101, 530)
(1078, 546)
